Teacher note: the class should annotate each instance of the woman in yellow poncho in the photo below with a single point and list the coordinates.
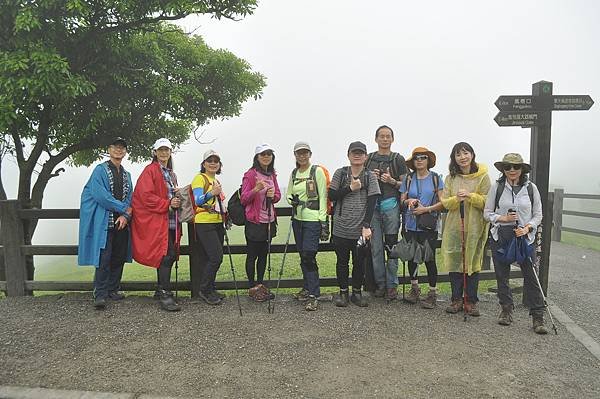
(468, 182)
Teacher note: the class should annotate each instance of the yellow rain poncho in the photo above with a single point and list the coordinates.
(476, 228)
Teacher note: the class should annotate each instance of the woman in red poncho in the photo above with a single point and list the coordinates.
(155, 231)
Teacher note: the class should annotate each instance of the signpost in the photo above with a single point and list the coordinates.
(535, 111)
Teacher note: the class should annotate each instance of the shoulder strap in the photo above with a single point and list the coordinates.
(206, 182)
(499, 190)
(294, 172)
(369, 159)
(394, 164)
(530, 193)
(409, 178)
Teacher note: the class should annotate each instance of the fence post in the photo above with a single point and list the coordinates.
(12, 236)
(557, 210)
(195, 272)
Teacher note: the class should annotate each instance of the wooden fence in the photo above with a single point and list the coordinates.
(559, 211)
(15, 251)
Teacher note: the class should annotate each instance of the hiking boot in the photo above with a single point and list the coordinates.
(414, 294)
(473, 309)
(156, 294)
(357, 299)
(379, 293)
(392, 293)
(430, 301)
(100, 303)
(267, 294)
(301, 295)
(210, 297)
(312, 303)
(538, 325)
(505, 317)
(341, 300)
(455, 307)
(168, 303)
(253, 292)
(116, 295)
(258, 293)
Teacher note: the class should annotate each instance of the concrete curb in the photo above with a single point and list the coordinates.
(12, 392)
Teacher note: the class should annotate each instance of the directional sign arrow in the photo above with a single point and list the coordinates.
(518, 118)
(572, 103)
(515, 103)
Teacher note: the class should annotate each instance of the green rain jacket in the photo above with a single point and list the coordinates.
(476, 228)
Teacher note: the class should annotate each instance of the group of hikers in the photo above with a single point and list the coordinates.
(365, 204)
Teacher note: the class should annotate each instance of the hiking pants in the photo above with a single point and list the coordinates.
(256, 254)
(343, 248)
(163, 273)
(456, 282)
(385, 226)
(107, 277)
(432, 272)
(531, 291)
(210, 253)
(307, 235)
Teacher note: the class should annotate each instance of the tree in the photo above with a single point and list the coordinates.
(74, 74)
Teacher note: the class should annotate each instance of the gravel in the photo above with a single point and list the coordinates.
(395, 350)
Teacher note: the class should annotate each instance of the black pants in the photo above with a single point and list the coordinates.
(256, 254)
(163, 273)
(343, 248)
(210, 253)
(531, 291)
(421, 236)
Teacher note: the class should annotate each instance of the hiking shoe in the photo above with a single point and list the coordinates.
(505, 317)
(473, 309)
(357, 299)
(301, 295)
(156, 294)
(379, 293)
(455, 307)
(392, 293)
(100, 303)
(341, 300)
(210, 297)
(538, 325)
(430, 301)
(312, 303)
(168, 303)
(414, 294)
(267, 294)
(258, 293)
(116, 295)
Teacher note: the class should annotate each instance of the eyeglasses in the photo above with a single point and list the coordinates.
(357, 152)
(266, 154)
(212, 160)
(118, 147)
(421, 157)
(302, 153)
(508, 166)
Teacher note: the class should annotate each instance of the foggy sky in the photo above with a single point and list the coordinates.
(431, 70)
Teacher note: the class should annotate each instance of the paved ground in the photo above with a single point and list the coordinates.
(395, 350)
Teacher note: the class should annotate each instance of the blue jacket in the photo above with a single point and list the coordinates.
(96, 203)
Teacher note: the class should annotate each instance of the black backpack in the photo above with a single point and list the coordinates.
(500, 189)
(235, 209)
(344, 180)
(394, 163)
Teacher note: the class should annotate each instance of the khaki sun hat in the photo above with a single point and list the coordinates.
(514, 159)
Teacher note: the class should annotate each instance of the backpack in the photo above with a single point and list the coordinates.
(500, 189)
(187, 209)
(314, 203)
(237, 212)
(393, 163)
(436, 182)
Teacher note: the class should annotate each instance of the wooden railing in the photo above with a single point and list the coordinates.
(559, 211)
(15, 251)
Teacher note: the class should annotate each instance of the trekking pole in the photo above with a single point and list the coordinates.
(537, 280)
(287, 243)
(385, 265)
(237, 294)
(268, 201)
(464, 263)
(403, 280)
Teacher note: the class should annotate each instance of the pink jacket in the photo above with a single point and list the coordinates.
(253, 201)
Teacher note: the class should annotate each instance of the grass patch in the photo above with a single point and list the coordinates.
(580, 240)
